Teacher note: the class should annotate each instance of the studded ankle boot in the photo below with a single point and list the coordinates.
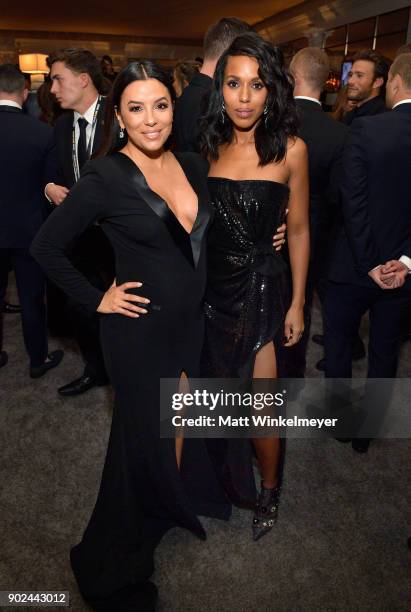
(266, 509)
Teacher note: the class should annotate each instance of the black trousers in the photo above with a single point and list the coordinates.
(31, 285)
(390, 316)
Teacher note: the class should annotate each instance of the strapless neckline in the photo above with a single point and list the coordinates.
(223, 178)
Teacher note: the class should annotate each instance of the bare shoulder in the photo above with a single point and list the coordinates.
(296, 149)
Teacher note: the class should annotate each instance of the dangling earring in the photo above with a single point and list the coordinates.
(222, 112)
(121, 134)
(265, 114)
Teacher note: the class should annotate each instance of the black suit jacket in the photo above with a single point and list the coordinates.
(27, 163)
(376, 196)
(92, 253)
(189, 108)
(325, 140)
(375, 106)
(64, 144)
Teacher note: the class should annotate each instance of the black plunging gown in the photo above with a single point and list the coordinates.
(245, 301)
(142, 493)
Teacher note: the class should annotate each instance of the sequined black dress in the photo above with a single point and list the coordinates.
(245, 298)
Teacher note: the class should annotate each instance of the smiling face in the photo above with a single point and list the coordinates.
(146, 113)
(244, 92)
(362, 83)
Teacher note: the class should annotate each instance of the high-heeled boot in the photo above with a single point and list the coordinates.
(266, 510)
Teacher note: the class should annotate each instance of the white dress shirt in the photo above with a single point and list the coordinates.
(307, 98)
(407, 261)
(405, 101)
(89, 115)
(9, 103)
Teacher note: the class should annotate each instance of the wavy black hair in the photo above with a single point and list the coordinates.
(135, 71)
(279, 123)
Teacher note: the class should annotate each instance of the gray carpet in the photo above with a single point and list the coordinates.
(339, 544)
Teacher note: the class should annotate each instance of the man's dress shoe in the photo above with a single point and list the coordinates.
(360, 445)
(53, 360)
(79, 386)
(3, 358)
(11, 308)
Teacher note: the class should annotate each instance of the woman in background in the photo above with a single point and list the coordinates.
(183, 73)
(342, 105)
(50, 108)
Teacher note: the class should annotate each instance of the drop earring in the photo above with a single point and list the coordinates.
(121, 134)
(265, 115)
(222, 112)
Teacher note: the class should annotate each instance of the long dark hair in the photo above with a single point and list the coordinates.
(135, 71)
(278, 124)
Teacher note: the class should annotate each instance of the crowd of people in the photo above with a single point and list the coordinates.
(192, 214)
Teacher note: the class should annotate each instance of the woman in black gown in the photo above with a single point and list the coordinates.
(258, 167)
(154, 209)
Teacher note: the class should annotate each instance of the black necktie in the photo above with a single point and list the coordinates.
(82, 142)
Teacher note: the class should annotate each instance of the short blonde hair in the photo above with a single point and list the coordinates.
(314, 65)
(402, 66)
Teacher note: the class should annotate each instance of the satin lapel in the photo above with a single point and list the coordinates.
(199, 185)
(158, 206)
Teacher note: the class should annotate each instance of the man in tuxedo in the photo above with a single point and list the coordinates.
(76, 81)
(27, 155)
(366, 85)
(325, 140)
(190, 105)
(372, 261)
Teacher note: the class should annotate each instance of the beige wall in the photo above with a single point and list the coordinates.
(119, 48)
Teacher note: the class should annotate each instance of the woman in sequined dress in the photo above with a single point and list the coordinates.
(258, 167)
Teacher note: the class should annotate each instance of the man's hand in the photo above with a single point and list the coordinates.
(394, 273)
(375, 275)
(391, 275)
(56, 193)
